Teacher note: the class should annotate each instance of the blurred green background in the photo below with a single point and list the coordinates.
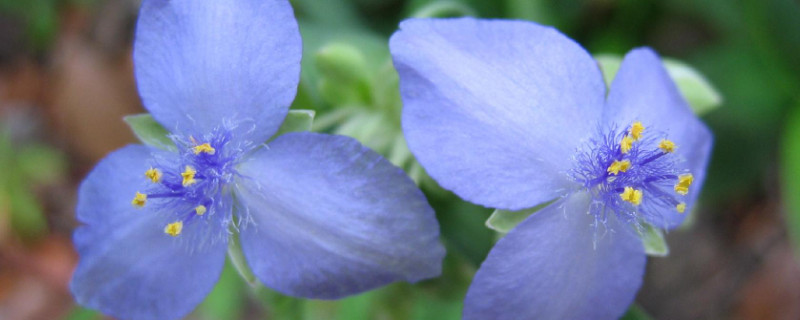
(66, 81)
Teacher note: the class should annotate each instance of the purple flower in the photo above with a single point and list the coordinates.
(318, 216)
(511, 115)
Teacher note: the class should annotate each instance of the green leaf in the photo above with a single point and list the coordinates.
(503, 220)
(636, 312)
(653, 240)
(700, 94)
(296, 121)
(791, 175)
(149, 131)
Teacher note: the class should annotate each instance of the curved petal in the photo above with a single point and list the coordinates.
(128, 267)
(333, 218)
(494, 109)
(199, 64)
(549, 267)
(643, 91)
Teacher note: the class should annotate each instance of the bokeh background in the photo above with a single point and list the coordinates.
(66, 81)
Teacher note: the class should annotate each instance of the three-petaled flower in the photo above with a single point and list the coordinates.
(318, 216)
(511, 115)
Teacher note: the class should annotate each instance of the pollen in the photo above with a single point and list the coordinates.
(667, 146)
(681, 207)
(200, 210)
(139, 200)
(204, 148)
(684, 181)
(636, 130)
(631, 195)
(626, 144)
(153, 174)
(174, 229)
(188, 176)
(619, 166)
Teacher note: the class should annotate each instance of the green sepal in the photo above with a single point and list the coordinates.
(653, 241)
(238, 260)
(296, 121)
(503, 220)
(700, 94)
(149, 131)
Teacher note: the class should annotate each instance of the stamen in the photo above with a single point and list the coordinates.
(174, 229)
(681, 207)
(636, 130)
(204, 148)
(631, 195)
(188, 176)
(684, 181)
(139, 200)
(153, 174)
(626, 144)
(200, 210)
(618, 166)
(666, 146)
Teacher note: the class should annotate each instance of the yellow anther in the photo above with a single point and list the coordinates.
(631, 195)
(684, 181)
(153, 174)
(200, 210)
(618, 166)
(636, 130)
(667, 146)
(188, 176)
(626, 144)
(139, 200)
(206, 147)
(174, 229)
(681, 207)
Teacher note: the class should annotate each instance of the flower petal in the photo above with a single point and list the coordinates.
(493, 109)
(129, 268)
(332, 218)
(199, 64)
(643, 91)
(549, 267)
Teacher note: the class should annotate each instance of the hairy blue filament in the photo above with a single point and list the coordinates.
(194, 187)
(644, 187)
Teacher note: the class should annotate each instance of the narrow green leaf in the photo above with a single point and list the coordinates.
(700, 94)
(296, 121)
(503, 220)
(653, 240)
(790, 181)
(149, 131)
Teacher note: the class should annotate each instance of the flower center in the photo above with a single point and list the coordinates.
(194, 186)
(632, 174)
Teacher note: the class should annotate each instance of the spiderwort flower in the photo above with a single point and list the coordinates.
(511, 115)
(318, 216)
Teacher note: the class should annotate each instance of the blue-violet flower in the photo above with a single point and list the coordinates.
(511, 115)
(318, 216)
